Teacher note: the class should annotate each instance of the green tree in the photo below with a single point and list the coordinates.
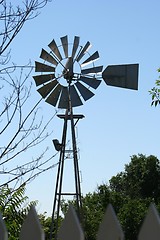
(130, 192)
(141, 178)
(138, 185)
(46, 225)
(14, 206)
(94, 205)
(155, 92)
(131, 215)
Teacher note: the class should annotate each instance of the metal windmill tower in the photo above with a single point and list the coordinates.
(68, 77)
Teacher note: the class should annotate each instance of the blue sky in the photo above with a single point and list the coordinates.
(118, 123)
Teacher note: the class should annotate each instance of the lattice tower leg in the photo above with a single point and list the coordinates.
(68, 117)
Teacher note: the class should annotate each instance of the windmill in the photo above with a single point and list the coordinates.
(68, 77)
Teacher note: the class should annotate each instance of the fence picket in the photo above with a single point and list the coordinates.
(3, 230)
(151, 225)
(71, 228)
(110, 228)
(31, 228)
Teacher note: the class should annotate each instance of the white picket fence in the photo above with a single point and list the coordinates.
(70, 229)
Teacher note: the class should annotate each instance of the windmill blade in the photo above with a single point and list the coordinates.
(92, 70)
(46, 89)
(47, 57)
(64, 41)
(54, 48)
(85, 92)
(53, 97)
(40, 79)
(92, 82)
(92, 58)
(64, 99)
(75, 99)
(75, 46)
(83, 51)
(125, 76)
(41, 67)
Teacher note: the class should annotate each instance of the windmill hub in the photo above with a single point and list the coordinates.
(68, 69)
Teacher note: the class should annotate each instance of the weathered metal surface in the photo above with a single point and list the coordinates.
(92, 82)
(125, 76)
(53, 46)
(75, 99)
(41, 79)
(41, 67)
(85, 92)
(83, 51)
(92, 58)
(64, 41)
(75, 46)
(54, 96)
(46, 89)
(92, 70)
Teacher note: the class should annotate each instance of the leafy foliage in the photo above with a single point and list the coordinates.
(130, 192)
(14, 207)
(93, 209)
(141, 178)
(155, 92)
(46, 224)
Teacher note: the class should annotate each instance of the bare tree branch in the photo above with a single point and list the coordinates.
(12, 19)
(22, 126)
(23, 130)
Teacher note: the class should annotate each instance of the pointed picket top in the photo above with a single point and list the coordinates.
(31, 228)
(110, 228)
(3, 230)
(70, 228)
(151, 226)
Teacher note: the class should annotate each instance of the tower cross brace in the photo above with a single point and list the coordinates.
(72, 119)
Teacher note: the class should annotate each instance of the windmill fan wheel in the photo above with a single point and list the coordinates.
(64, 78)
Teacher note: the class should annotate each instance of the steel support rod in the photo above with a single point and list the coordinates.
(76, 169)
(68, 117)
(58, 188)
